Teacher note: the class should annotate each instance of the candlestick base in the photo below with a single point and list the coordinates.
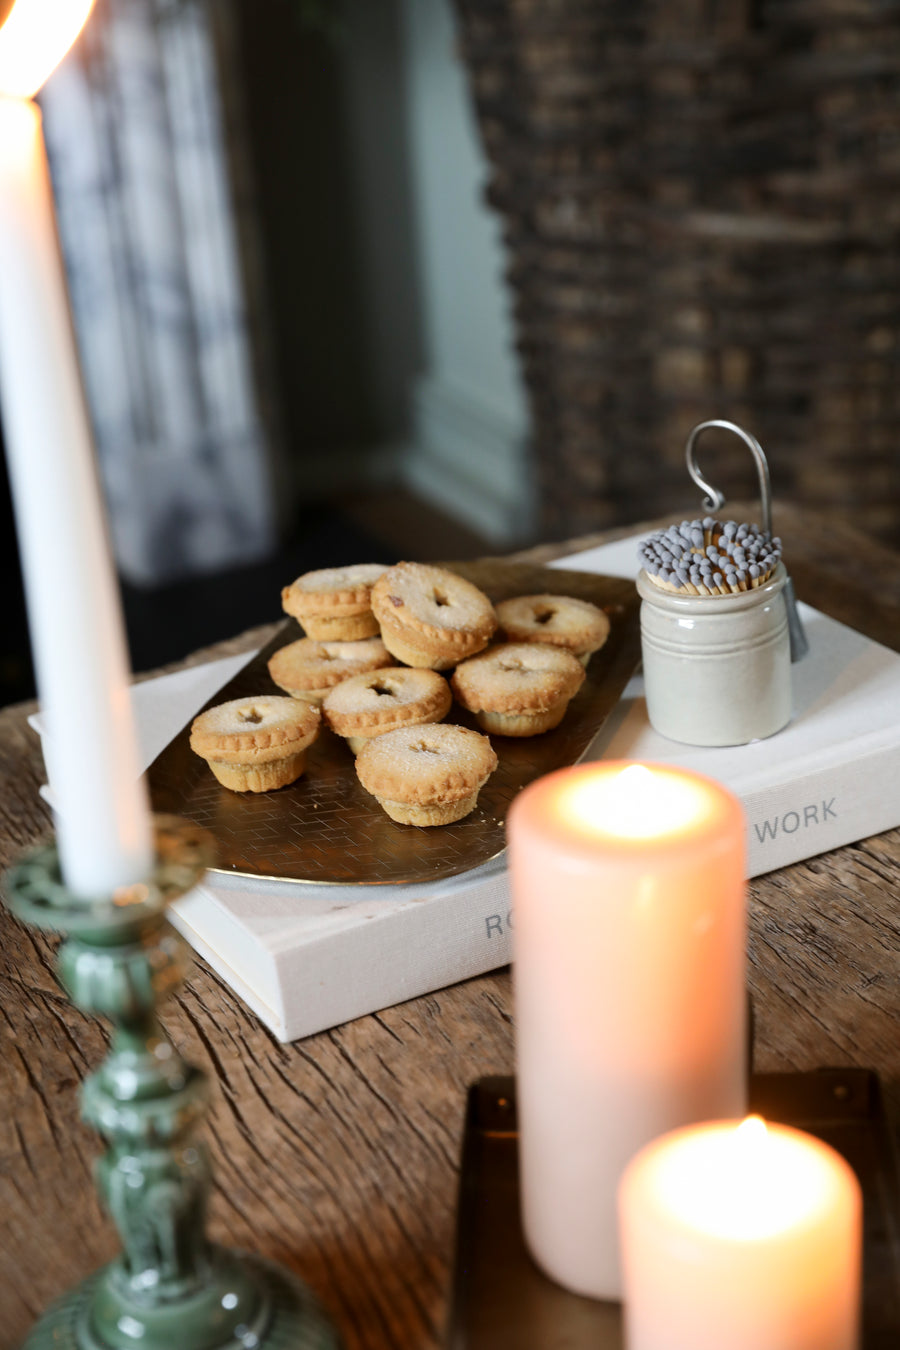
(286, 1317)
(170, 1287)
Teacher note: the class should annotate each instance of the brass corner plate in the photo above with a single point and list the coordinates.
(325, 829)
(500, 1300)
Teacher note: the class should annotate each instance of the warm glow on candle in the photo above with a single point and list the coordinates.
(751, 1131)
(740, 1235)
(34, 39)
(636, 802)
(745, 1182)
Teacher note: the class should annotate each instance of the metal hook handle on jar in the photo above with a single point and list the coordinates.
(715, 500)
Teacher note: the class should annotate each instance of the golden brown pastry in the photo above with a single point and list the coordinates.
(370, 705)
(256, 744)
(430, 617)
(518, 688)
(334, 604)
(557, 620)
(426, 775)
(309, 670)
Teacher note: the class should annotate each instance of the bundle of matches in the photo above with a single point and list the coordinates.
(705, 557)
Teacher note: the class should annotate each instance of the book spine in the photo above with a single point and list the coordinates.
(442, 939)
(448, 938)
(325, 980)
(822, 810)
(424, 947)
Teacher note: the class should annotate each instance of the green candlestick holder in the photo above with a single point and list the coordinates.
(170, 1288)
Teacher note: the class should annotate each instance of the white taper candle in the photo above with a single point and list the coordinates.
(78, 641)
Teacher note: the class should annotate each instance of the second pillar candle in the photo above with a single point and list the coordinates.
(630, 985)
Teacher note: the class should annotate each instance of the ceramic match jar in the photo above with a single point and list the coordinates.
(717, 668)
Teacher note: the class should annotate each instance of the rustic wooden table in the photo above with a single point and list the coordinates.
(338, 1155)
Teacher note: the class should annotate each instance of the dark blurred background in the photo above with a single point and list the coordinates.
(368, 279)
(246, 224)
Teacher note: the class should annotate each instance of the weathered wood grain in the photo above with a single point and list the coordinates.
(338, 1155)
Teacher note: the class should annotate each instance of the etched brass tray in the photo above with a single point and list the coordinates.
(326, 829)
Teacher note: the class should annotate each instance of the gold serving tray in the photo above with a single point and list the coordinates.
(326, 829)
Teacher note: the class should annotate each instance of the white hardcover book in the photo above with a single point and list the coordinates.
(308, 957)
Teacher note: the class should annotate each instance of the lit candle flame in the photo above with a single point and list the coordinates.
(638, 802)
(34, 39)
(751, 1132)
(746, 1182)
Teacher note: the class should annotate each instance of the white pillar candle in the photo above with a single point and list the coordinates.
(629, 967)
(741, 1236)
(77, 634)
